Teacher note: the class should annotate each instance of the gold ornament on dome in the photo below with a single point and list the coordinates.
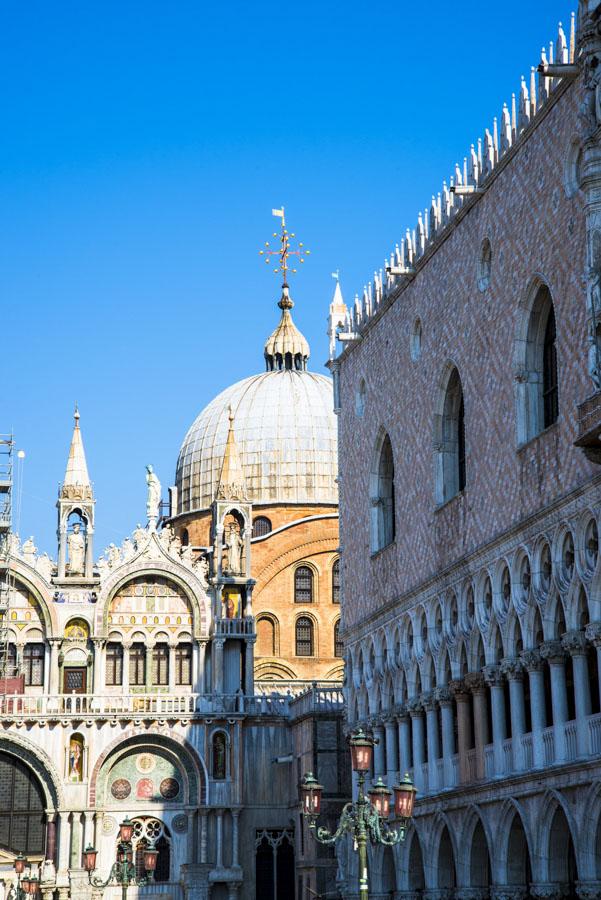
(285, 250)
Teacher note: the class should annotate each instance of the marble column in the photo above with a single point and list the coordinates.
(249, 667)
(476, 684)
(218, 665)
(171, 681)
(198, 676)
(555, 655)
(404, 728)
(433, 739)
(204, 813)
(219, 839)
(64, 840)
(392, 752)
(534, 665)
(445, 698)
(593, 634)
(99, 647)
(513, 669)
(54, 668)
(88, 829)
(495, 680)
(379, 750)
(126, 649)
(148, 665)
(417, 728)
(464, 731)
(235, 837)
(575, 644)
(50, 851)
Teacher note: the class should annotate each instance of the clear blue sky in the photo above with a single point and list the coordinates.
(144, 145)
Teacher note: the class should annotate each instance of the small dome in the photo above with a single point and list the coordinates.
(286, 347)
(285, 432)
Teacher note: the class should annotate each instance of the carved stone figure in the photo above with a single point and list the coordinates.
(127, 548)
(166, 536)
(140, 536)
(153, 499)
(235, 545)
(29, 551)
(201, 567)
(186, 555)
(44, 566)
(76, 545)
(113, 555)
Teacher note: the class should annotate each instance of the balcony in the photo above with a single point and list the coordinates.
(16, 707)
(589, 428)
(234, 628)
(557, 745)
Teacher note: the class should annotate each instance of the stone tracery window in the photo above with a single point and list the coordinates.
(382, 496)
(450, 442)
(21, 808)
(537, 388)
(33, 663)
(149, 831)
(261, 526)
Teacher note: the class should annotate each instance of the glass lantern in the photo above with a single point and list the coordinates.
(311, 792)
(362, 748)
(126, 830)
(89, 858)
(404, 798)
(19, 864)
(379, 796)
(151, 854)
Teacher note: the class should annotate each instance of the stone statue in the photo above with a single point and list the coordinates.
(44, 566)
(140, 536)
(235, 545)
(186, 555)
(113, 555)
(153, 499)
(201, 567)
(127, 548)
(29, 551)
(76, 544)
(166, 537)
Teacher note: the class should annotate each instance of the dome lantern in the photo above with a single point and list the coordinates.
(286, 347)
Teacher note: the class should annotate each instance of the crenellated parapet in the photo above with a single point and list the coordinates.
(469, 180)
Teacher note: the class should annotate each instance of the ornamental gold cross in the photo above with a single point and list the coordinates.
(285, 251)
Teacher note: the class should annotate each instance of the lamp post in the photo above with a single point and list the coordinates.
(27, 884)
(123, 870)
(367, 818)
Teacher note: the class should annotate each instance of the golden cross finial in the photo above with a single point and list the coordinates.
(285, 250)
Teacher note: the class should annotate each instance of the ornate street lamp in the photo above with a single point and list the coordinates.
(27, 883)
(367, 817)
(123, 871)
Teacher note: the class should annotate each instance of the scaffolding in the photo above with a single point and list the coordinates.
(7, 445)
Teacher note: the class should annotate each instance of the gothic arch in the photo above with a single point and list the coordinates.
(556, 829)
(34, 584)
(382, 493)
(449, 435)
(514, 846)
(179, 748)
(476, 865)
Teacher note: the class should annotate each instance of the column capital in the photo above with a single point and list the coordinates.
(508, 892)
(415, 706)
(588, 890)
(574, 642)
(493, 676)
(552, 651)
(401, 713)
(549, 891)
(474, 681)
(532, 660)
(444, 695)
(430, 702)
(513, 668)
(459, 689)
(593, 633)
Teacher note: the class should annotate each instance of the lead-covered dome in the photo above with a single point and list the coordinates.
(285, 431)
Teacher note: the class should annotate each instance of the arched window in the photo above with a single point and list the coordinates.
(304, 636)
(160, 664)
(22, 808)
(336, 581)
(484, 265)
(33, 664)
(137, 665)
(185, 537)
(219, 749)
(114, 664)
(382, 496)
(303, 585)
(261, 526)
(450, 433)
(338, 645)
(266, 637)
(537, 390)
(183, 663)
(550, 398)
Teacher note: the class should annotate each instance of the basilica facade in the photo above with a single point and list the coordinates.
(185, 678)
(468, 394)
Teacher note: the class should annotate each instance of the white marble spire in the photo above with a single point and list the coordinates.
(76, 475)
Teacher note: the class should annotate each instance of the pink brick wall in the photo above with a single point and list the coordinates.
(534, 229)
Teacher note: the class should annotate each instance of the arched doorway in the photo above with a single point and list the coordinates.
(562, 857)
(274, 864)
(447, 877)
(22, 815)
(480, 869)
(519, 869)
(416, 865)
